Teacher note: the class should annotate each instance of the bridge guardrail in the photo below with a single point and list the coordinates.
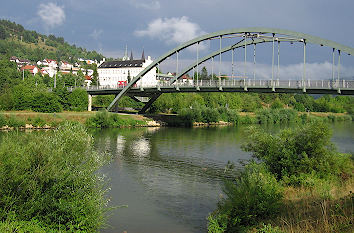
(297, 84)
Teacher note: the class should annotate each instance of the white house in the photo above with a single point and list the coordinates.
(116, 73)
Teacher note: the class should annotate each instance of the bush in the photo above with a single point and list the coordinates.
(255, 195)
(52, 178)
(304, 150)
(276, 116)
(276, 104)
(210, 115)
(14, 225)
(15, 122)
(100, 120)
(110, 120)
(3, 120)
(232, 116)
(207, 115)
(269, 229)
(46, 102)
(38, 122)
(78, 100)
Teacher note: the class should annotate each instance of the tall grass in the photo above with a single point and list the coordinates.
(111, 120)
(50, 180)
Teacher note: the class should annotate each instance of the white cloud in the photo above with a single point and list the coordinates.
(51, 14)
(96, 34)
(172, 30)
(154, 5)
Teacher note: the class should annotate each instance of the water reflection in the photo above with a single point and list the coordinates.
(175, 173)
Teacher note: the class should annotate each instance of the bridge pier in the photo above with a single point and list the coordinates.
(89, 107)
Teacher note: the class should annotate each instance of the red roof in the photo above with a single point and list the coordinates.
(30, 68)
(186, 77)
(50, 60)
(87, 77)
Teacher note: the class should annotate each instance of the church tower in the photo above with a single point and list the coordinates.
(126, 58)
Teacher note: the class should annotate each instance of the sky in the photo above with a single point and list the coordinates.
(158, 26)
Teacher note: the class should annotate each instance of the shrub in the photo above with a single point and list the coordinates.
(3, 120)
(106, 120)
(100, 120)
(15, 122)
(78, 100)
(293, 152)
(248, 120)
(46, 102)
(14, 225)
(255, 195)
(269, 229)
(232, 116)
(277, 104)
(210, 115)
(275, 116)
(52, 178)
(38, 122)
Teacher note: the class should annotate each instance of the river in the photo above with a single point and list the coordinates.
(170, 178)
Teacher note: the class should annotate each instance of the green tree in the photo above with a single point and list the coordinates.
(204, 73)
(46, 102)
(78, 100)
(2, 33)
(94, 78)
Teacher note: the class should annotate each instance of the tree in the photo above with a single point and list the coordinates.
(129, 78)
(94, 79)
(46, 102)
(78, 100)
(80, 79)
(2, 33)
(204, 73)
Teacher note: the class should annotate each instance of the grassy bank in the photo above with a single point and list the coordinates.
(19, 119)
(205, 116)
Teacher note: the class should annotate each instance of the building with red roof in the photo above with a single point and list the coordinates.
(32, 69)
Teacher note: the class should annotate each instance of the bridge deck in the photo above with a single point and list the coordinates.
(259, 86)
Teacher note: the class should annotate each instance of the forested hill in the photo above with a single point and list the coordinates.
(19, 42)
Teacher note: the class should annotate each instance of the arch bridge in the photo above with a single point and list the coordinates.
(238, 39)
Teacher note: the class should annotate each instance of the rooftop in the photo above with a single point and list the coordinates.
(122, 64)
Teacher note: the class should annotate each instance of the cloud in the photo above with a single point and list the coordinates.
(154, 5)
(96, 34)
(51, 14)
(172, 30)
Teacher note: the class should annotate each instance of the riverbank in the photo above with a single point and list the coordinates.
(222, 117)
(34, 120)
(10, 120)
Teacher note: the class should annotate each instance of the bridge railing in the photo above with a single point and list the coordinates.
(293, 84)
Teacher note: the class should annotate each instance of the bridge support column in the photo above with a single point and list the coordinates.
(116, 107)
(148, 104)
(89, 107)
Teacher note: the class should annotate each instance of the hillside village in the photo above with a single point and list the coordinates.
(52, 67)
